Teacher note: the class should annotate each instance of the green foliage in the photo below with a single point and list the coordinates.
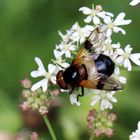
(28, 28)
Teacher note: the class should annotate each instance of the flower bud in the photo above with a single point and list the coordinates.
(24, 106)
(34, 136)
(99, 8)
(55, 92)
(97, 132)
(26, 83)
(112, 117)
(26, 93)
(43, 110)
(109, 132)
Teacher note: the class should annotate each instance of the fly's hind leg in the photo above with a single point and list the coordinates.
(80, 95)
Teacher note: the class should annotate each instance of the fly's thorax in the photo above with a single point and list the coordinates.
(74, 74)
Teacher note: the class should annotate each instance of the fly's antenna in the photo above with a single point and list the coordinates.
(60, 66)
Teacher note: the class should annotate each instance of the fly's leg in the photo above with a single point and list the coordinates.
(80, 95)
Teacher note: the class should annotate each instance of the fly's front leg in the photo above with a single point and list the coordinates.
(71, 90)
(80, 95)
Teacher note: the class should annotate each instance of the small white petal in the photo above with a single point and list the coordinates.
(82, 40)
(36, 74)
(63, 90)
(73, 99)
(85, 10)
(88, 19)
(88, 28)
(128, 49)
(107, 20)
(120, 51)
(116, 46)
(102, 28)
(53, 79)
(101, 14)
(122, 79)
(51, 68)
(127, 64)
(105, 104)
(57, 54)
(117, 71)
(120, 20)
(135, 58)
(96, 20)
(43, 83)
(109, 32)
(95, 99)
(75, 26)
(40, 65)
(40, 71)
(65, 65)
(134, 2)
(110, 96)
(118, 29)
(68, 54)
(107, 52)
(120, 60)
(109, 14)
(71, 47)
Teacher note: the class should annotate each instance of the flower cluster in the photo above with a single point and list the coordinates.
(72, 41)
(37, 99)
(101, 122)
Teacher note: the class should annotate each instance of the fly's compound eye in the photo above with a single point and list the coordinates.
(60, 80)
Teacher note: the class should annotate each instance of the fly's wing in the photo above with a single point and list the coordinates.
(108, 84)
(94, 41)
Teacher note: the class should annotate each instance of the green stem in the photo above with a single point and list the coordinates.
(91, 137)
(47, 122)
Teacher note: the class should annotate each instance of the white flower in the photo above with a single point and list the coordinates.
(118, 77)
(134, 2)
(113, 25)
(73, 99)
(80, 34)
(104, 98)
(65, 49)
(41, 72)
(59, 62)
(135, 135)
(108, 48)
(94, 14)
(66, 37)
(125, 56)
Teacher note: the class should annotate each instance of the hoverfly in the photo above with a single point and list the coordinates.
(89, 69)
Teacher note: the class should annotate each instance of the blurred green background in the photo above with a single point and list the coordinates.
(29, 28)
